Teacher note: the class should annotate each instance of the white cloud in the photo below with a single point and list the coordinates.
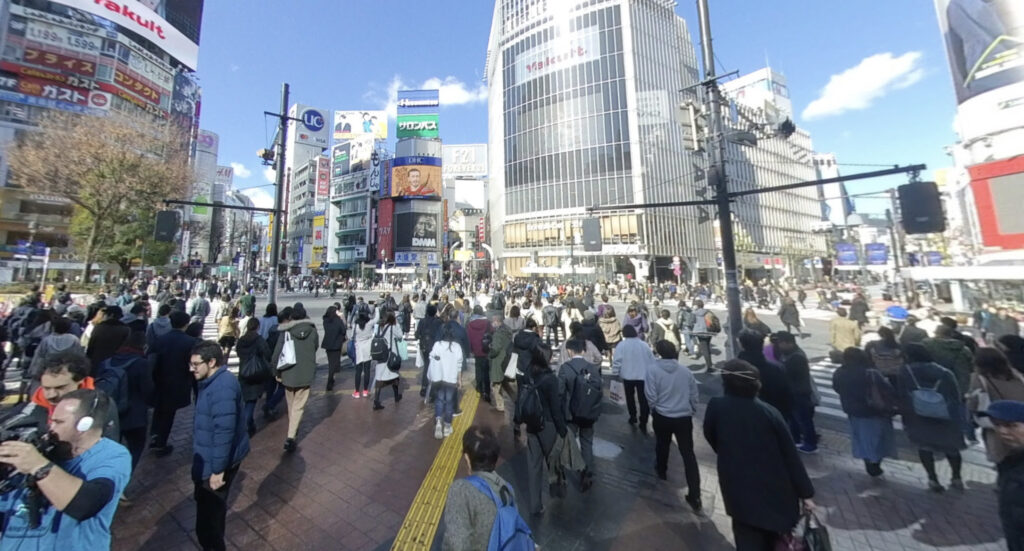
(240, 170)
(858, 87)
(260, 197)
(452, 91)
(270, 174)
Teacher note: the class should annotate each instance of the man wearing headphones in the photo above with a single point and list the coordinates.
(66, 372)
(80, 483)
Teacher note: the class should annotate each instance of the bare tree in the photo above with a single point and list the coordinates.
(112, 168)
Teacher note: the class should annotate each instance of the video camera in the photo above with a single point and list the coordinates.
(29, 424)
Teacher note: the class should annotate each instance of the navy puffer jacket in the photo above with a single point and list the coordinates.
(220, 439)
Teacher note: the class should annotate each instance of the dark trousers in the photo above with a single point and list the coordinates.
(752, 538)
(135, 441)
(801, 423)
(275, 393)
(483, 376)
(704, 349)
(212, 511)
(682, 428)
(634, 392)
(333, 364)
(551, 330)
(363, 375)
(163, 421)
(247, 411)
(424, 382)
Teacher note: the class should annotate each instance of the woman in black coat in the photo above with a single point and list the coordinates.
(249, 345)
(333, 343)
(789, 315)
(762, 479)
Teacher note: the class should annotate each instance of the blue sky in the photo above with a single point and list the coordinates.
(891, 99)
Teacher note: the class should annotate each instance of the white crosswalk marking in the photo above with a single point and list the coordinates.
(821, 376)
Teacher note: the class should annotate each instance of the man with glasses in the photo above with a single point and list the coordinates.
(65, 373)
(220, 441)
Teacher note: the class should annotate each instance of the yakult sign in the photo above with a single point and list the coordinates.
(558, 54)
(136, 17)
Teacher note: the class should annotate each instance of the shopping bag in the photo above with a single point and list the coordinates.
(287, 358)
(513, 366)
(617, 392)
(403, 349)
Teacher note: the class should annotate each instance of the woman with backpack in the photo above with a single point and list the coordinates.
(251, 348)
(363, 335)
(334, 342)
(993, 379)
(930, 404)
(868, 400)
(885, 354)
(383, 376)
(445, 375)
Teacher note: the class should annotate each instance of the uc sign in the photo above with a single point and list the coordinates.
(313, 120)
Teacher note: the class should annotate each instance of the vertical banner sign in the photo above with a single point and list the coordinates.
(481, 231)
(323, 178)
(846, 254)
(385, 236)
(877, 254)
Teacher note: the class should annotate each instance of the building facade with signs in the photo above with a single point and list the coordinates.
(91, 58)
(583, 112)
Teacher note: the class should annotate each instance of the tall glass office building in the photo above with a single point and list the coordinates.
(585, 111)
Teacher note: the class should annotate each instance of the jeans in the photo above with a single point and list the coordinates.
(704, 349)
(682, 428)
(363, 375)
(135, 441)
(801, 424)
(634, 392)
(688, 342)
(444, 401)
(483, 376)
(212, 511)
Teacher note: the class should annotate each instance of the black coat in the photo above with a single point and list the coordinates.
(550, 398)
(140, 388)
(523, 344)
(851, 383)
(789, 315)
(934, 434)
(765, 493)
(798, 373)
(1011, 499)
(859, 311)
(249, 344)
(171, 372)
(334, 333)
(593, 333)
(774, 384)
(104, 341)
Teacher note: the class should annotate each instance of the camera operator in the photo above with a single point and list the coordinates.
(80, 482)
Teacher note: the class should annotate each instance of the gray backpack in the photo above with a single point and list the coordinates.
(928, 402)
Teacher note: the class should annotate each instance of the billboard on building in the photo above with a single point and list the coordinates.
(846, 254)
(360, 152)
(417, 126)
(323, 180)
(418, 102)
(468, 160)
(984, 43)
(340, 155)
(998, 189)
(385, 235)
(206, 142)
(555, 55)
(416, 177)
(311, 128)
(417, 230)
(140, 18)
(349, 124)
(876, 253)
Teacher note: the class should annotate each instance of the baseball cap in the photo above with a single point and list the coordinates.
(1005, 410)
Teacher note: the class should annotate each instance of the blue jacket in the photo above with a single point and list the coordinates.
(220, 439)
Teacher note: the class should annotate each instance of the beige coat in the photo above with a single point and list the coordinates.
(843, 333)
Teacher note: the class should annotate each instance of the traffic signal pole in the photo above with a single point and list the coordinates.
(719, 181)
(275, 235)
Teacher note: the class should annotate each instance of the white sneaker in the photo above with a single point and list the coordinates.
(438, 430)
(447, 430)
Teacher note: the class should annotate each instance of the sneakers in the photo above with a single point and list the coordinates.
(366, 394)
(438, 429)
(289, 445)
(807, 448)
(457, 413)
(447, 430)
(356, 394)
(377, 406)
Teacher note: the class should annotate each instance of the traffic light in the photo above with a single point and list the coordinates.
(166, 226)
(921, 208)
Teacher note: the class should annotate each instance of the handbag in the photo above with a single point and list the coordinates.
(403, 349)
(513, 366)
(287, 358)
(617, 392)
(255, 370)
(928, 402)
(815, 534)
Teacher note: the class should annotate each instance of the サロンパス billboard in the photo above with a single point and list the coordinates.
(349, 124)
(416, 177)
(417, 126)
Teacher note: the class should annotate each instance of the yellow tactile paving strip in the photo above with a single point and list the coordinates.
(420, 524)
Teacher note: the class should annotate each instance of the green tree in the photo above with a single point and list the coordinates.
(124, 241)
(111, 168)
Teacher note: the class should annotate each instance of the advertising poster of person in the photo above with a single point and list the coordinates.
(416, 177)
(984, 43)
(416, 230)
(350, 124)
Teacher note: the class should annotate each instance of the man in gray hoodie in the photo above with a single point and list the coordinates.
(672, 393)
(160, 326)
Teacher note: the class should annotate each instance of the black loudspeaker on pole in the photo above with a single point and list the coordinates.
(166, 226)
(921, 208)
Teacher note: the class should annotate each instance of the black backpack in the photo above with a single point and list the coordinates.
(586, 396)
(379, 347)
(529, 407)
(114, 380)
